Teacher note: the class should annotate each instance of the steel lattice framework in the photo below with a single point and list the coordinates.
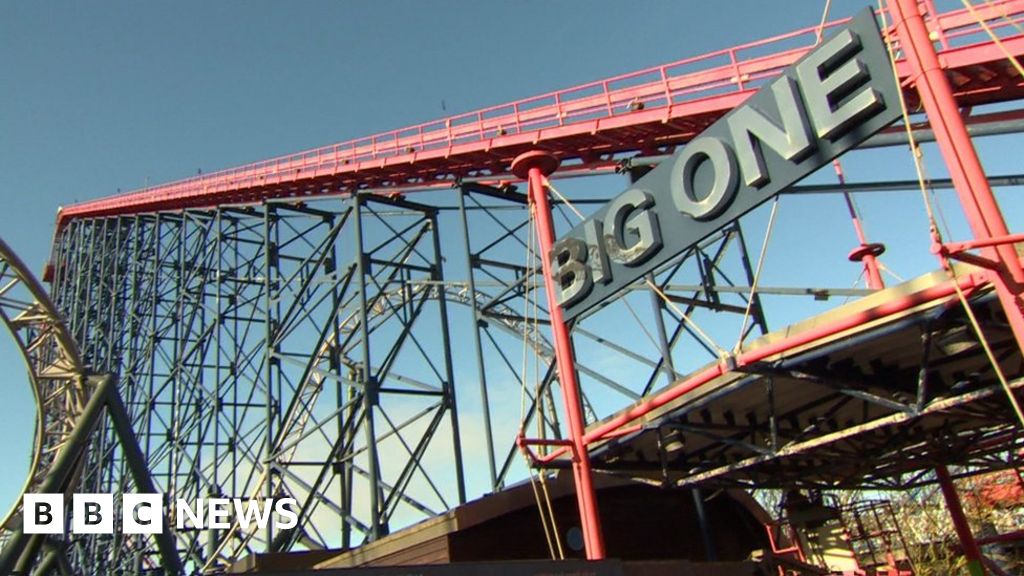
(347, 325)
(212, 313)
(56, 373)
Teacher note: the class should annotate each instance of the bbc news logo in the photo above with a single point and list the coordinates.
(143, 513)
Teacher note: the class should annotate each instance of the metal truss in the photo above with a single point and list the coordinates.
(841, 416)
(504, 278)
(55, 370)
(303, 350)
(71, 400)
(285, 350)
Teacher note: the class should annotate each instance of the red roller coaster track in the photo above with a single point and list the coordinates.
(584, 126)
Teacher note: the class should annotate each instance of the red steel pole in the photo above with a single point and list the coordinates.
(979, 204)
(963, 530)
(865, 253)
(534, 166)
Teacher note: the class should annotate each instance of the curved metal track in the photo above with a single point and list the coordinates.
(55, 370)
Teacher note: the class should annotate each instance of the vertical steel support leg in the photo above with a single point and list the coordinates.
(140, 473)
(218, 343)
(710, 551)
(534, 166)
(153, 328)
(668, 366)
(437, 275)
(979, 204)
(270, 264)
(963, 529)
(367, 378)
(340, 391)
(477, 346)
(178, 350)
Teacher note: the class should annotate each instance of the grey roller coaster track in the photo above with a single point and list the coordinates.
(69, 404)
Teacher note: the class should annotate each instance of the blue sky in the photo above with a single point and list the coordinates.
(103, 96)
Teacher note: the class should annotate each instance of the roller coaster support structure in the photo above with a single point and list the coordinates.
(534, 167)
(19, 554)
(980, 206)
(969, 180)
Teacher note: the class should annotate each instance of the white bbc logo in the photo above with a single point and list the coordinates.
(144, 513)
(93, 514)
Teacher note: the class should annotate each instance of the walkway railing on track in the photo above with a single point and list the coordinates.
(734, 70)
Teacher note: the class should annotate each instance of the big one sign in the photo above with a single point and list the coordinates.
(829, 101)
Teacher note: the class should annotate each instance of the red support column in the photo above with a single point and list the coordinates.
(963, 529)
(534, 166)
(979, 204)
(865, 253)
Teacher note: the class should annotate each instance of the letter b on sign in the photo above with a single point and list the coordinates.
(572, 278)
(43, 513)
(92, 514)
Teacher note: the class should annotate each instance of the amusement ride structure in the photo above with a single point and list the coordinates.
(373, 327)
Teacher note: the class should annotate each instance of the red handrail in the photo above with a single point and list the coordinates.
(728, 71)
